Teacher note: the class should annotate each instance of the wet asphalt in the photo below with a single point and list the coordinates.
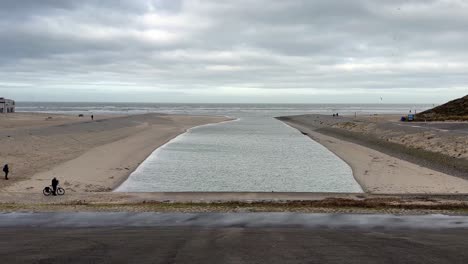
(231, 238)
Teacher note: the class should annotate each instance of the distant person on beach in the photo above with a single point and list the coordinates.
(55, 183)
(92, 117)
(6, 170)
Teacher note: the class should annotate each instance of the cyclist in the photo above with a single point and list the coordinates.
(55, 183)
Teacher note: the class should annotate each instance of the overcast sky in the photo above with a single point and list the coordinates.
(234, 51)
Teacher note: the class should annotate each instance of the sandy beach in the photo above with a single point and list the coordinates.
(98, 155)
(378, 172)
(85, 155)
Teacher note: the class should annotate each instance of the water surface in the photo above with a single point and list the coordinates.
(252, 154)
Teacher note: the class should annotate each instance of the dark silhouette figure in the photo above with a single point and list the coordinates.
(92, 117)
(6, 170)
(55, 183)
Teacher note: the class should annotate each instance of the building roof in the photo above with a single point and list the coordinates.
(4, 100)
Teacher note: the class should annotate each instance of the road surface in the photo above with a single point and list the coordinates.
(231, 238)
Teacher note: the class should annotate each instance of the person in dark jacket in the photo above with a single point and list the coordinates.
(6, 170)
(55, 183)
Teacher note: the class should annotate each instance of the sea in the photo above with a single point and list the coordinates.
(253, 153)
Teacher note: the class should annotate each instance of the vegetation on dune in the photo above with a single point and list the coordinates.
(454, 110)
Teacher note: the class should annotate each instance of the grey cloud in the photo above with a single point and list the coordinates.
(204, 45)
(29, 7)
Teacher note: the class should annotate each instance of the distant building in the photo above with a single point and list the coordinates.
(7, 105)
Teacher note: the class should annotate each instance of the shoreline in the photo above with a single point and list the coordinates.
(376, 171)
(321, 142)
(123, 179)
(103, 153)
(229, 119)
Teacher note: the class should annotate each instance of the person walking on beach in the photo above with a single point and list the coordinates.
(6, 170)
(92, 117)
(55, 183)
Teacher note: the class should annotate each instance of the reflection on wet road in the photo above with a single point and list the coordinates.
(223, 220)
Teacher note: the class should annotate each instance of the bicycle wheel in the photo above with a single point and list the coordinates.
(47, 191)
(60, 191)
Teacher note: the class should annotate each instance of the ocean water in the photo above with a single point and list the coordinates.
(267, 110)
(253, 153)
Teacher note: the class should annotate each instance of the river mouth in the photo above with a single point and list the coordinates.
(250, 154)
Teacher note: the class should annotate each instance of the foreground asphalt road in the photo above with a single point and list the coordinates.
(230, 245)
(232, 238)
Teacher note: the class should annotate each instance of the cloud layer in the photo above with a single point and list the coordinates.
(291, 51)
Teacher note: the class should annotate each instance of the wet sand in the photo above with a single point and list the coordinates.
(196, 202)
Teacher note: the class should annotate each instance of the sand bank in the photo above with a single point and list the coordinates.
(377, 172)
(85, 155)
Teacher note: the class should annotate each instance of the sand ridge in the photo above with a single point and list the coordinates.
(377, 172)
(86, 156)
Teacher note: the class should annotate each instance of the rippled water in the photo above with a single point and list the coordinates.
(249, 154)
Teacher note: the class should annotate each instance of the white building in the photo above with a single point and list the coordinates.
(7, 105)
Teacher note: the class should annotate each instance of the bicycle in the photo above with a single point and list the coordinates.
(49, 190)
